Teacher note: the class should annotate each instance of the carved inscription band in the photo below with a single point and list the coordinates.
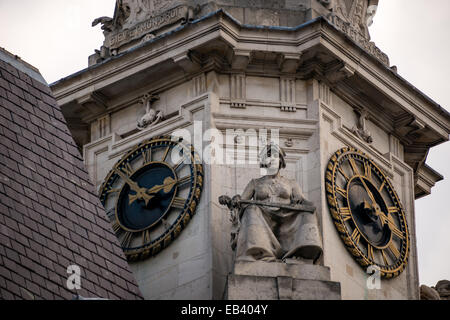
(154, 23)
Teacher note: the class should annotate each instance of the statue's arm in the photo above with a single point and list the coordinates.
(298, 197)
(297, 194)
(234, 202)
(248, 193)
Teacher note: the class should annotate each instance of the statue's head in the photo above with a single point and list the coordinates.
(371, 11)
(272, 159)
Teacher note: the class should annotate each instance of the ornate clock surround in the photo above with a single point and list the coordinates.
(381, 210)
(181, 209)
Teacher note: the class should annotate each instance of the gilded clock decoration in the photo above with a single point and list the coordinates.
(367, 212)
(151, 195)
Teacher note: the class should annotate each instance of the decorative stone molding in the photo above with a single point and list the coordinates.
(198, 85)
(238, 91)
(426, 179)
(187, 62)
(287, 94)
(339, 73)
(359, 38)
(133, 29)
(324, 93)
(289, 143)
(241, 59)
(288, 63)
(103, 126)
(395, 147)
(93, 103)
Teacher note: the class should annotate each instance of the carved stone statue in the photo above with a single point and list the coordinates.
(443, 288)
(121, 14)
(358, 14)
(272, 220)
(361, 129)
(151, 116)
(428, 293)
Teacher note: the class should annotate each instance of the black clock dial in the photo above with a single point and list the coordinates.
(367, 212)
(139, 213)
(151, 194)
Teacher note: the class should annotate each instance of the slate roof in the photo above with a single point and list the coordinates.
(50, 216)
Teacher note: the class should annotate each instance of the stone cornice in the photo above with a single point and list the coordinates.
(221, 26)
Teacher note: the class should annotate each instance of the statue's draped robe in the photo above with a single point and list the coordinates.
(269, 233)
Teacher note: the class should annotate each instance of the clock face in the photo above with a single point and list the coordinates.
(367, 212)
(151, 194)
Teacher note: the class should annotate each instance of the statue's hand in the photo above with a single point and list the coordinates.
(225, 201)
(307, 203)
(235, 202)
(296, 200)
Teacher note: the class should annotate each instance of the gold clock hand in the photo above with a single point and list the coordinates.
(140, 196)
(140, 192)
(133, 185)
(168, 185)
(367, 190)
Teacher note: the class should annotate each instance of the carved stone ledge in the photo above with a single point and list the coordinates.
(241, 59)
(426, 180)
(93, 103)
(289, 63)
(188, 62)
(337, 74)
(409, 127)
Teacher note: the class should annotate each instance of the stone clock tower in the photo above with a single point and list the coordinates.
(352, 134)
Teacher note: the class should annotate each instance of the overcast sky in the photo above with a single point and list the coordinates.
(56, 37)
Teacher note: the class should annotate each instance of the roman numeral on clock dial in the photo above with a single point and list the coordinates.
(147, 155)
(184, 180)
(370, 254)
(345, 213)
(343, 173)
(127, 169)
(166, 153)
(354, 166)
(356, 236)
(127, 239)
(342, 192)
(367, 171)
(145, 237)
(385, 259)
(178, 203)
(391, 247)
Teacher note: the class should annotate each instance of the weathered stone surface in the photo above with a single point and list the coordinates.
(281, 281)
(281, 269)
(231, 83)
(280, 288)
(137, 21)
